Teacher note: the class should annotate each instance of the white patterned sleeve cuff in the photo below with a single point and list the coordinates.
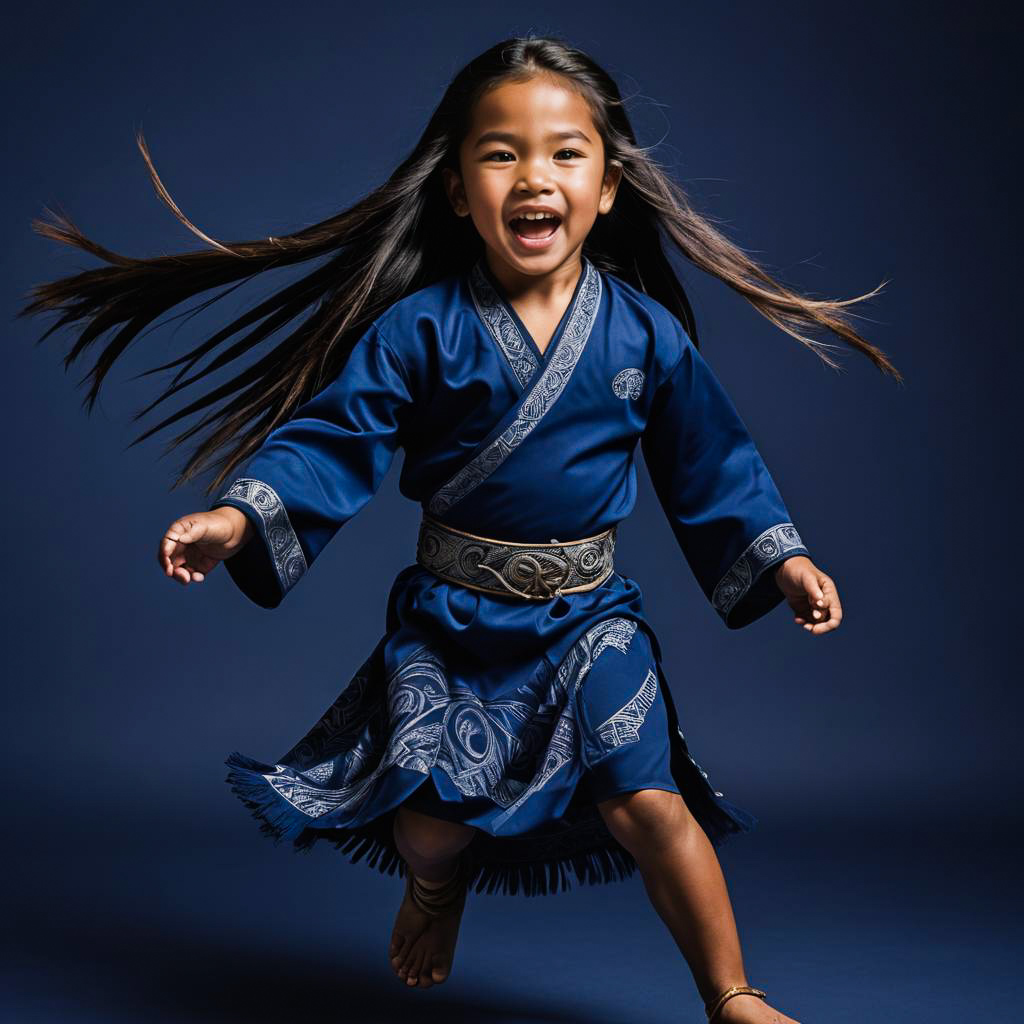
(745, 592)
(263, 507)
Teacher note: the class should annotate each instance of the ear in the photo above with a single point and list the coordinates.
(610, 186)
(456, 192)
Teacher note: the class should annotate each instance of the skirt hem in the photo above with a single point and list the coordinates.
(575, 846)
(489, 869)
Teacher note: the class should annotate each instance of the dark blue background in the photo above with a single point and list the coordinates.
(841, 146)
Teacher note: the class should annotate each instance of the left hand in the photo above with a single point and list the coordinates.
(810, 593)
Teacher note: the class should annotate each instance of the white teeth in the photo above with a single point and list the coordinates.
(537, 216)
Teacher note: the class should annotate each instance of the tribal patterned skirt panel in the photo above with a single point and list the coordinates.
(515, 717)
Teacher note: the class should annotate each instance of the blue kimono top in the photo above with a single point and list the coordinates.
(515, 716)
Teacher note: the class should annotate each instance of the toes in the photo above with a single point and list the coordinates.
(439, 970)
(407, 957)
(413, 968)
(402, 962)
(398, 961)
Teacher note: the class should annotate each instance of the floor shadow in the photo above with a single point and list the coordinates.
(862, 923)
(124, 969)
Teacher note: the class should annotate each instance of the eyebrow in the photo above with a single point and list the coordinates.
(510, 137)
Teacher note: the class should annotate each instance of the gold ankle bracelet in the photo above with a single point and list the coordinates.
(720, 1000)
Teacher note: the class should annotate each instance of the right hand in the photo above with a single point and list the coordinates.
(194, 545)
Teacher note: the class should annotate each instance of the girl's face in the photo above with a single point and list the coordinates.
(532, 145)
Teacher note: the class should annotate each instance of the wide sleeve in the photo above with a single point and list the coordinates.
(721, 502)
(316, 471)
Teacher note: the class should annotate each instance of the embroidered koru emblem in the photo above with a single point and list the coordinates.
(628, 382)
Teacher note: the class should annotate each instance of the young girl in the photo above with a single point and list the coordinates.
(502, 308)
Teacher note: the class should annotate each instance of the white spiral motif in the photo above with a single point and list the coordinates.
(628, 383)
(766, 549)
(278, 534)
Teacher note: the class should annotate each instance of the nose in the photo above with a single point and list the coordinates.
(534, 176)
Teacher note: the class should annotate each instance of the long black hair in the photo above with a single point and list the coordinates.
(401, 237)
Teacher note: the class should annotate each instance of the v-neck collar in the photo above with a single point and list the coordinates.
(507, 328)
(539, 393)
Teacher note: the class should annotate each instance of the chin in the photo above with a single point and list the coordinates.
(536, 263)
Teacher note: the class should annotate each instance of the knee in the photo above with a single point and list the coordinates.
(647, 818)
(428, 838)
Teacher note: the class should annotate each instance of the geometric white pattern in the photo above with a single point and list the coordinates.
(628, 383)
(623, 726)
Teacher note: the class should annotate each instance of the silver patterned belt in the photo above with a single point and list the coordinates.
(535, 571)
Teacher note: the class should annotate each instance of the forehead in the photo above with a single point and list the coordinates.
(533, 107)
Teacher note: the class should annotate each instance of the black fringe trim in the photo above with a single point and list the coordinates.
(531, 866)
(576, 849)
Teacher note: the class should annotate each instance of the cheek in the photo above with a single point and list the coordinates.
(585, 199)
(485, 208)
(492, 200)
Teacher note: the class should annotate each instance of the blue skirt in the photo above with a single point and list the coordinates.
(516, 717)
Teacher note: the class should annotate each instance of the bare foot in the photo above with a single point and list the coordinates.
(423, 946)
(748, 1009)
(410, 924)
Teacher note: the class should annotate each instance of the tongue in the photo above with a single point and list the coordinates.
(534, 228)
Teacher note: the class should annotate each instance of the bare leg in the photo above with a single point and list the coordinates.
(684, 881)
(422, 947)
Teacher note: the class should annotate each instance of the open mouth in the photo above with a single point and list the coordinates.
(535, 232)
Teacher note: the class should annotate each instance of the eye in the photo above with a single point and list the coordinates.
(572, 153)
(499, 152)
